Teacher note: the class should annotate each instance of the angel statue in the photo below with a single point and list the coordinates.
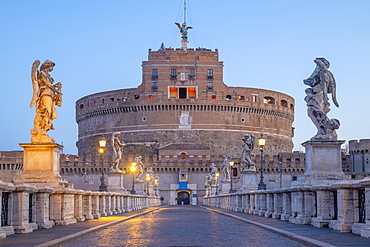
(117, 151)
(140, 167)
(321, 84)
(248, 147)
(225, 167)
(183, 30)
(46, 96)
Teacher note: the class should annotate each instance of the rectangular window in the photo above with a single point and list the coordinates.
(191, 73)
(254, 98)
(210, 85)
(192, 92)
(154, 74)
(213, 96)
(210, 74)
(150, 96)
(173, 73)
(155, 86)
(173, 92)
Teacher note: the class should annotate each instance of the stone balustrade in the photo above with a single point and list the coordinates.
(25, 208)
(343, 206)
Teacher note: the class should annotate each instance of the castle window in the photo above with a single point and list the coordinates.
(81, 106)
(191, 74)
(269, 100)
(254, 98)
(213, 96)
(228, 97)
(210, 74)
(182, 92)
(150, 96)
(196, 59)
(210, 86)
(291, 106)
(240, 97)
(173, 73)
(235, 172)
(283, 103)
(137, 96)
(155, 86)
(155, 74)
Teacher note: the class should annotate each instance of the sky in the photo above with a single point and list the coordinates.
(99, 46)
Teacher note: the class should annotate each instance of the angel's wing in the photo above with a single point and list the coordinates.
(178, 24)
(35, 84)
(332, 88)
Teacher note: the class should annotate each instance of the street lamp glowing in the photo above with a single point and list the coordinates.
(262, 141)
(231, 163)
(156, 181)
(133, 167)
(102, 143)
(217, 175)
(148, 178)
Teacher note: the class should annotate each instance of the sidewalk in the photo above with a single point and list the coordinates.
(59, 234)
(306, 234)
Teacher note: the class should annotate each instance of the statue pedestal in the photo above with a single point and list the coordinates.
(214, 189)
(115, 182)
(323, 163)
(41, 165)
(139, 187)
(151, 190)
(225, 186)
(249, 180)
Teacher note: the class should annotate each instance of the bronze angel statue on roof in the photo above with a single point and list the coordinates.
(183, 30)
(46, 96)
(321, 84)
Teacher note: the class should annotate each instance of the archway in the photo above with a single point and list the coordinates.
(183, 198)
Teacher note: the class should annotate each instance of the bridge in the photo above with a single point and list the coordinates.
(185, 226)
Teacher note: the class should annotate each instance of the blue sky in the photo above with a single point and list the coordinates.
(99, 46)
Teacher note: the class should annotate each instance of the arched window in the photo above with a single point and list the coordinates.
(235, 172)
(283, 103)
(183, 155)
(291, 106)
(269, 100)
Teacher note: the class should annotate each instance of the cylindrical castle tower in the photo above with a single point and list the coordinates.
(183, 99)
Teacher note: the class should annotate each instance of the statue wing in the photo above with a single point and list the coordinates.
(178, 24)
(35, 83)
(332, 88)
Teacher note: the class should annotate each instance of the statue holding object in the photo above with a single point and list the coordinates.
(117, 145)
(46, 96)
(321, 84)
(140, 167)
(183, 30)
(226, 168)
(248, 147)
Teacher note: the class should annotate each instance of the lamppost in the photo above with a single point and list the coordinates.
(102, 144)
(133, 170)
(231, 163)
(148, 178)
(261, 143)
(217, 175)
(156, 182)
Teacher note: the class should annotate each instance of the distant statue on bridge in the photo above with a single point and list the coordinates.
(226, 168)
(140, 167)
(117, 145)
(321, 84)
(248, 147)
(183, 30)
(46, 96)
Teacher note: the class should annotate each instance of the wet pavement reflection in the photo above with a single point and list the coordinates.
(183, 226)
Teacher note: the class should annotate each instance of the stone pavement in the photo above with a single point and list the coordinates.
(185, 226)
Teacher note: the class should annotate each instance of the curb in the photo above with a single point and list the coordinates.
(293, 236)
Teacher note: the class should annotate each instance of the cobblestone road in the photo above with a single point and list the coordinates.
(183, 226)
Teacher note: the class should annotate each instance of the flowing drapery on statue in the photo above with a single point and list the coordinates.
(140, 167)
(117, 145)
(321, 84)
(46, 96)
(248, 147)
(226, 167)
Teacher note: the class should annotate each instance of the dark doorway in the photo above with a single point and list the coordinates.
(182, 93)
(183, 198)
